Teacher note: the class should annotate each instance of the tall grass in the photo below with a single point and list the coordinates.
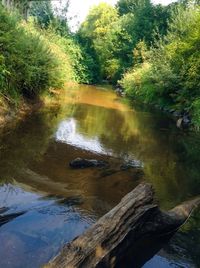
(30, 61)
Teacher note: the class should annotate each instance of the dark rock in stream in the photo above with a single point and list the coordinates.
(176, 113)
(183, 122)
(186, 121)
(138, 174)
(131, 164)
(120, 92)
(86, 163)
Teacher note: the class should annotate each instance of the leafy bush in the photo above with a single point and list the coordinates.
(74, 52)
(30, 62)
(169, 74)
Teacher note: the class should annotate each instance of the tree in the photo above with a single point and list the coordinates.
(43, 12)
(21, 5)
(46, 16)
(147, 19)
(169, 74)
(111, 34)
(96, 34)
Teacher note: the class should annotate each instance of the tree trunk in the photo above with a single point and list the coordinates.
(107, 242)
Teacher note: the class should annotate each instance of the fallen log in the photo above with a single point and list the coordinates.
(107, 242)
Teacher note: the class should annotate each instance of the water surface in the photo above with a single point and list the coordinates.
(54, 203)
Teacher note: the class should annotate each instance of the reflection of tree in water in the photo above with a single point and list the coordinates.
(26, 142)
(149, 138)
(8, 190)
(171, 158)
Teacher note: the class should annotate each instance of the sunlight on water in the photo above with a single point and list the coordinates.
(48, 203)
(67, 132)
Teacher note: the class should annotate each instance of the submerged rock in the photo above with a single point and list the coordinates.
(186, 120)
(131, 164)
(86, 163)
(176, 113)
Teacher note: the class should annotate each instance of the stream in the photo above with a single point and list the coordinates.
(49, 203)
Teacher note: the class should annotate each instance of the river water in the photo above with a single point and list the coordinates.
(49, 203)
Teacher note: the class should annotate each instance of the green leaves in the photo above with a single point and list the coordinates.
(110, 34)
(31, 61)
(172, 79)
(97, 31)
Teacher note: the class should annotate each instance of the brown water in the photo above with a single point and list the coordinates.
(57, 203)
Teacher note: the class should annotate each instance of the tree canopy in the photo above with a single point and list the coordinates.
(151, 50)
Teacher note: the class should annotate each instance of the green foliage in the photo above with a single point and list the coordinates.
(30, 65)
(42, 11)
(169, 76)
(152, 45)
(97, 36)
(47, 17)
(110, 34)
(142, 21)
(55, 22)
(75, 54)
(32, 59)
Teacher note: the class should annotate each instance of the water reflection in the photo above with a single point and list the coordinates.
(37, 235)
(167, 261)
(67, 132)
(60, 203)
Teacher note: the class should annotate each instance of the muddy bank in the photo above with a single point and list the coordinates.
(10, 112)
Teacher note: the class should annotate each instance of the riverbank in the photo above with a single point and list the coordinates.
(33, 61)
(11, 113)
(182, 119)
(167, 75)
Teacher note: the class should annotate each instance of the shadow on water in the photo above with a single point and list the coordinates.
(60, 203)
(144, 250)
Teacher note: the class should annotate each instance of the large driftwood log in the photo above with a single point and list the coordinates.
(107, 242)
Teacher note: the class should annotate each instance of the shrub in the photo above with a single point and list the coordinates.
(169, 73)
(29, 62)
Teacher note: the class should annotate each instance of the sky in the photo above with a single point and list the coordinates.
(82, 7)
(79, 9)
